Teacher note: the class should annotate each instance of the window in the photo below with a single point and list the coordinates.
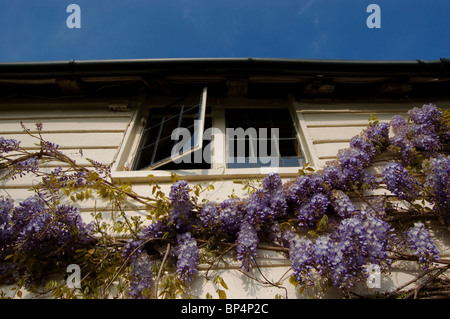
(188, 135)
(261, 137)
(172, 134)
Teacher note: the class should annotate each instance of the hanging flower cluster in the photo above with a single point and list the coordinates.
(35, 229)
(427, 131)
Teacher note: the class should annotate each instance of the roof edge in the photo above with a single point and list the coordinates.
(230, 66)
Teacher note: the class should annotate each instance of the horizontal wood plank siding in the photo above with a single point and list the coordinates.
(64, 125)
(83, 132)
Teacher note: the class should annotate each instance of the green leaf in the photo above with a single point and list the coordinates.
(92, 176)
(373, 119)
(301, 290)
(222, 283)
(313, 233)
(9, 256)
(293, 281)
(222, 294)
(322, 223)
(52, 284)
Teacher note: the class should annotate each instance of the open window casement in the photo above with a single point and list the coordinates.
(173, 133)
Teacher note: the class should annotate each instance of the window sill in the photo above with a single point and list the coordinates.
(201, 175)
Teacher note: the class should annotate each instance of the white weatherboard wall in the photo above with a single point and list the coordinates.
(100, 133)
(82, 130)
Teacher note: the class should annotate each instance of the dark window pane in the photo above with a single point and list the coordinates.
(266, 122)
(292, 161)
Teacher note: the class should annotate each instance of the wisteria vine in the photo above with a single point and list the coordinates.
(324, 221)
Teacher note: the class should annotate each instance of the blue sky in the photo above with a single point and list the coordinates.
(36, 30)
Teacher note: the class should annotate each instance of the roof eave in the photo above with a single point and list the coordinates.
(224, 66)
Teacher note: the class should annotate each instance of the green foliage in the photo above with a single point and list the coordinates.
(305, 170)
(373, 119)
(220, 283)
(249, 185)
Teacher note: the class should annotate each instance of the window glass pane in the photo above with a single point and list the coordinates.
(289, 147)
(266, 122)
(168, 126)
(196, 160)
(292, 161)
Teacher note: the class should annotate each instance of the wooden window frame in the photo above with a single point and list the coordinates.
(121, 169)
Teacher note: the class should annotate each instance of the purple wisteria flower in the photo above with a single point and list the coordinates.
(141, 282)
(398, 124)
(278, 204)
(301, 257)
(231, 213)
(281, 236)
(378, 134)
(312, 211)
(353, 158)
(8, 145)
(405, 146)
(299, 190)
(49, 148)
(132, 248)
(209, 216)
(368, 180)
(6, 207)
(263, 207)
(43, 231)
(271, 183)
(187, 256)
(257, 211)
(51, 184)
(427, 142)
(422, 245)
(247, 243)
(24, 212)
(423, 133)
(428, 114)
(274, 196)
(437, 182)
(39, 126)
(323, 252)
(380, 238)
(400, 181)
(341, 203)
(24, 167)
(340, 177)
(182, 206)
(359, 240)
(342, 255)
(360, 143)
